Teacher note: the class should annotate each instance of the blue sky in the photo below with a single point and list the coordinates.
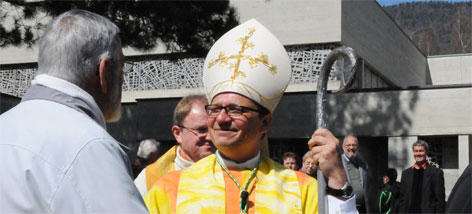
(394, 2)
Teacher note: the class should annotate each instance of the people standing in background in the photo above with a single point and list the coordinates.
(390, 192)
(308, 166)
(422, 185)
(148, 152)
(356, 170)
(290, 160)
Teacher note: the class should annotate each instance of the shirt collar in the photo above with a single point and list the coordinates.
(346, 158)
(180, 162)
(423, 166)
(249, 164)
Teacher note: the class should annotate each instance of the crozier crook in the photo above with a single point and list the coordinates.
(350, 65)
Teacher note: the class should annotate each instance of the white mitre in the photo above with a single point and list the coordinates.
(250, 61)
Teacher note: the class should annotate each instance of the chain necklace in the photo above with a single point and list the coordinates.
(244, 193)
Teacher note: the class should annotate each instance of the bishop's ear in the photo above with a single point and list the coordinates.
(266, 123)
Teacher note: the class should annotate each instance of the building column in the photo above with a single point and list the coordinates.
(464, 152)
(400, 154)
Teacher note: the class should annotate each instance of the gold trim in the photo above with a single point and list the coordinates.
(222, 59)
(247, 91)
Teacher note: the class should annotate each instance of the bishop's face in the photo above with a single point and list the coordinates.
(237, 137)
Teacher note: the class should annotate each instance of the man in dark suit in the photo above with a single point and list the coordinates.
(422, 185)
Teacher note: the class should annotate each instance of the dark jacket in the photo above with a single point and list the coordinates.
(388, 196)
(433, 193)
(459, 200)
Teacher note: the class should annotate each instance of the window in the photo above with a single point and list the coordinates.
(443, 150)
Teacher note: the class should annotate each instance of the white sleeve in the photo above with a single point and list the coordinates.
(98, 181)
(336, 205)
(140, 183)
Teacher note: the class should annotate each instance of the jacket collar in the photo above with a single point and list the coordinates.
(61, 91)
(423, 166)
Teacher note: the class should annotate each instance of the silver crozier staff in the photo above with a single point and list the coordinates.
(350, 65)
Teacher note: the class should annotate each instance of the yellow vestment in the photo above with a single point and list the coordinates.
(206, 188)
(160, 167)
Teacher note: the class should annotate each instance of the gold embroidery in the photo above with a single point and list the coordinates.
(247, 90)
(253, 61)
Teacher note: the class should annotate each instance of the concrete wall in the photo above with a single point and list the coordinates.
(295, 21)
(451, 175)
(402, 113)
(362, 25)
(451, 69)
(400, 154)
(378, 40)
(379, 113)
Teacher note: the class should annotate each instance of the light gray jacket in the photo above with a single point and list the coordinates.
(56, 156)
(363, 172)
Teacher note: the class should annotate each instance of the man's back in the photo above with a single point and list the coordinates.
(57, 159)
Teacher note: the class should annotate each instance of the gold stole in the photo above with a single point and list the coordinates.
(161, 167)
(202, 189)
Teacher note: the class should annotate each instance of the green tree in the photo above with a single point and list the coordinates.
(436, 27)
(182, 26)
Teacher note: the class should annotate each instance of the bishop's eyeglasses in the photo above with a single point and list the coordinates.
(213, 110)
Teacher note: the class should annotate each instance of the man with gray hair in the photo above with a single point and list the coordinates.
(148, 152)
(55, 152)
(422, 185)
(356, 171)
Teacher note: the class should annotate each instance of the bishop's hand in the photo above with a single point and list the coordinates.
(326, 153)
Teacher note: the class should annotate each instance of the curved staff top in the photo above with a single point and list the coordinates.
(351, 66)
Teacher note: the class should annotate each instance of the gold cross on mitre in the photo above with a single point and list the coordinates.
(253, 61)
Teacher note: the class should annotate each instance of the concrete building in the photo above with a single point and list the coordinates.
(399, 95)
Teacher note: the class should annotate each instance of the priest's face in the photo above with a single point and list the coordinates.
(192, 134)
(237, 136)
